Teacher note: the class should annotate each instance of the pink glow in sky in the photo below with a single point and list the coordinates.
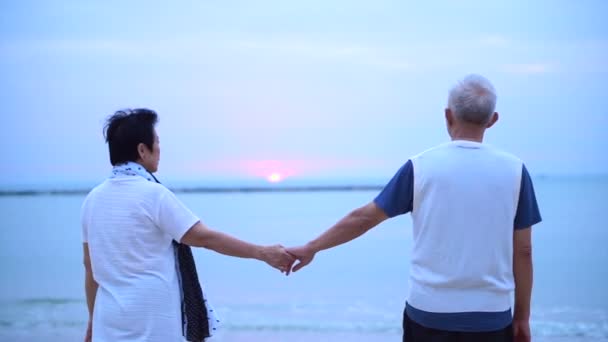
(275, 170)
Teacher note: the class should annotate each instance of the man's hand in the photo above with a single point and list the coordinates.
(521, 331)
(277, 257)
(304, 254)
(89, 334)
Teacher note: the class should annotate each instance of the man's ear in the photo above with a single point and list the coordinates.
(493, 120)
(449, 117)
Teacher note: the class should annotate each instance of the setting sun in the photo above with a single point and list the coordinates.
(274, 177)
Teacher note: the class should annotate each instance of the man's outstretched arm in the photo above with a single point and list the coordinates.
(348, 228)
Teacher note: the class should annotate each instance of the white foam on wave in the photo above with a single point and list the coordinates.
(65, 314)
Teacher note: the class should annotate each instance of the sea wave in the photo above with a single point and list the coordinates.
(68, 313)
(48, 301)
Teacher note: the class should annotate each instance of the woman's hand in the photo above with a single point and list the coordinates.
(277, 257)
(88, 337)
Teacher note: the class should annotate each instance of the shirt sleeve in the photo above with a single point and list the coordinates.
(397, 197)
(527, 213)
(174, 218)
(83, 221)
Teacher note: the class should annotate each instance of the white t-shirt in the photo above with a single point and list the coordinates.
(129, 224)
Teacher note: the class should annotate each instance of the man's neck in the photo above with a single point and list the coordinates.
(467, 133)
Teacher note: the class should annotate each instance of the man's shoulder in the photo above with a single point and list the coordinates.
(504, 154)
(490, 149)
(430, 151)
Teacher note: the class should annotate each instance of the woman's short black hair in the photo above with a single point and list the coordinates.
(126, 129)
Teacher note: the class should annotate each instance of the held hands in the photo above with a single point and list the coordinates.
(283, 258)
(304, 254)
(277, 257)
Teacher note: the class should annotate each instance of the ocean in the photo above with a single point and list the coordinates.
(354, 292)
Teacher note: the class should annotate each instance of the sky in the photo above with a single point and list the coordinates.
(309, 90)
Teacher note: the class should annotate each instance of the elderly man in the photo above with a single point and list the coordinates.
(472, 207)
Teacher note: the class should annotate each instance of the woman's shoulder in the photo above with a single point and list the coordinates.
(153, 187)
(131, 187)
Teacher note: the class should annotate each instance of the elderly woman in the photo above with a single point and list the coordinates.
(141, 283)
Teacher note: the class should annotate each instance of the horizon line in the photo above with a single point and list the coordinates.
(205, 189)
(243, 188)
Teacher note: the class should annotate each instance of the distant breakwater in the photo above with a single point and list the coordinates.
(206, 189)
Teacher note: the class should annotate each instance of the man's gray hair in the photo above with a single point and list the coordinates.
(473, 100)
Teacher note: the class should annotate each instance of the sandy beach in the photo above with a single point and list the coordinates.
(351, 337)
(269, 336)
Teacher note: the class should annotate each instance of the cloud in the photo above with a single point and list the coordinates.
(334, 52)
(195, 47)
(492, 51)
(528, 68)
(174, 47)
(497, 41)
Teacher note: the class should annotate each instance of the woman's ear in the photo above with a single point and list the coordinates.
(141, 150)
